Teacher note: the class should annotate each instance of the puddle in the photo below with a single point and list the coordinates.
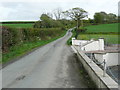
(20, 78)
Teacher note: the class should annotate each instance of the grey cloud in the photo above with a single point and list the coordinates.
(10, 4)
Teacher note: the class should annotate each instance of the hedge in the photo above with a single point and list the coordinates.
(17, 36)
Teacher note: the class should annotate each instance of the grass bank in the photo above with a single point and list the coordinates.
(69, 41)
(19, 50)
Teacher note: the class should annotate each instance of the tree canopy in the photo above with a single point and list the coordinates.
(76, 14)
(102, 17)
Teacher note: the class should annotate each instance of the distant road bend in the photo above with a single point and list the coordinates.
(50, 66)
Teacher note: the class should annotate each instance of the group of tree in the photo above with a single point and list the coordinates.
(61, 18)
(103, 17)
(47, 22)
(73, 17)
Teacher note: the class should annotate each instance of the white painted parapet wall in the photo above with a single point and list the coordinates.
(91, 45)
(78, 42)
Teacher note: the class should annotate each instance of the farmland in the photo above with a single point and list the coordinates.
(107, 31)
(103, 28)
(110, 39)
(19, 25)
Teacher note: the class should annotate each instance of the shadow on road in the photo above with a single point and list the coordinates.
(77, 70)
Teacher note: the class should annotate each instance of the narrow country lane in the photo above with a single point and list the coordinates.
(50, 66)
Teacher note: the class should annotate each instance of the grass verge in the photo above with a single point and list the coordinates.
(69, 41)
(24, 48)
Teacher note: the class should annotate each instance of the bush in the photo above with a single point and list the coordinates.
(10, 37)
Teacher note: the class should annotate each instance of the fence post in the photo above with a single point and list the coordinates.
(104, 71)
(79, 46)
(91, 56)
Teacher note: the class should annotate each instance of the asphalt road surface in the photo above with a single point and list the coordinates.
(50, 66)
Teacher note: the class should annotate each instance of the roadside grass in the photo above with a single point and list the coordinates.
(69, 41)
(17, 51)
(103, 28)
(109, 38)
(24, 25)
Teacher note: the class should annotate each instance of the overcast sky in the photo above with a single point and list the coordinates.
(32, 9)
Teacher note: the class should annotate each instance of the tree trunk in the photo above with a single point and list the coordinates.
(81, 23)
(77, 24)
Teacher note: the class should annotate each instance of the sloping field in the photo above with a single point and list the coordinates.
(107, 31)
(103, 28)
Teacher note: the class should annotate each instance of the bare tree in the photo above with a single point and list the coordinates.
(58, 13)
(50, 15)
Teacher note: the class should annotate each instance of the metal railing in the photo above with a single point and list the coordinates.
(99, 63)
(105, 68)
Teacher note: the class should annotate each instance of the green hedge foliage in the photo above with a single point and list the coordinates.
(17, 36)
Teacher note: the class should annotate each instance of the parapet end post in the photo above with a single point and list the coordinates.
(73, 42)
(101, 43)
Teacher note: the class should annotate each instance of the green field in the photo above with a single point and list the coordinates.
(103, 28)
(110, 39)
(27, 25)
